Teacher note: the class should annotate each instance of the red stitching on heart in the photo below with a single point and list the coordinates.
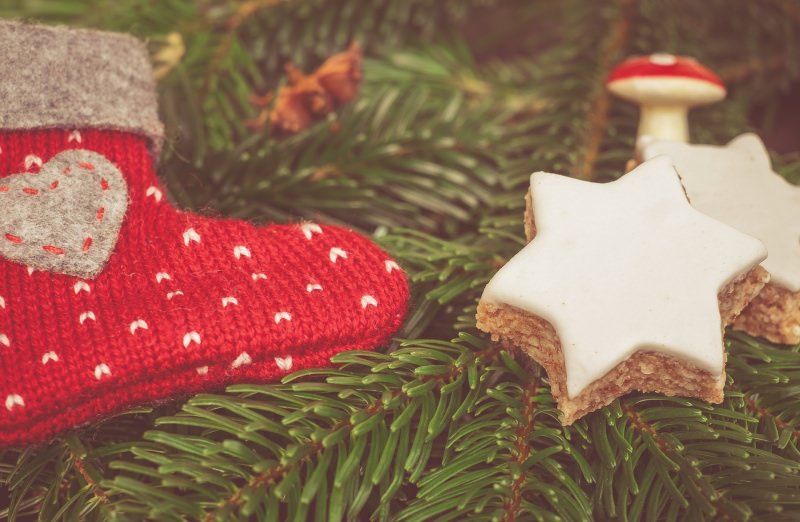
(104, 184)
(100, 213)
(67, 170)
(84, 165)
(14, 239)
(87, 243)
(53, 249)
(31, 191)
(4, 188)
(53, 185)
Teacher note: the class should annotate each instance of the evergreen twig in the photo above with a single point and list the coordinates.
(598, 115)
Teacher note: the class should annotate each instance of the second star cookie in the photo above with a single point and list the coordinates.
(623, 286)
(737, 185)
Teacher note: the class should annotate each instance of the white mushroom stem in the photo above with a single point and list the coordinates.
(665, 96)
(664, 122)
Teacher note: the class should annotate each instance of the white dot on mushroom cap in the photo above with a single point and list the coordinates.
(663, 59)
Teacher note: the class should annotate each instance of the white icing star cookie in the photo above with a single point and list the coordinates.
(616, 269)
(736, 185)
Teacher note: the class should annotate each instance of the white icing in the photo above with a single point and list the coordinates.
(736, 185)
(625, 266)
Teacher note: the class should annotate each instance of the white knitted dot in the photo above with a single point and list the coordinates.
(4, 340)
(31, 160)
(311, 287)
(258, 277)
(226, 301)
(87, 315)
(191, 337)
(309, 229)
(100, 370)
(368, 300)
(49, 356)
(240, 251)
(81, 286)
(202, 370)
(282, 316)
(336, 253)
(190, 235)
(75, 136)
(154, 192)
(2, 302)
(284, 363)
(242, 360)
(391, 265)
(13, 400)
(163, 276)
(138, 324)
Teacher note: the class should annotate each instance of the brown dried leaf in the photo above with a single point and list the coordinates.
(341, 74)
(290, 115)
(309, 91)
(307, 98)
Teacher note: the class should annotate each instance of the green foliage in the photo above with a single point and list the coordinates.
(461, 101)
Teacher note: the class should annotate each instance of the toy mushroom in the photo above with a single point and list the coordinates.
(665, 86)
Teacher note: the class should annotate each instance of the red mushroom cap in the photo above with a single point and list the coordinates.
(663, 65)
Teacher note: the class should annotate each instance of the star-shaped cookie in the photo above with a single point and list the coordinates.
(736, 185)
(624, 286)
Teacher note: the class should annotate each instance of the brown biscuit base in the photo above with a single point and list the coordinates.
(646, 371)
(774, 314)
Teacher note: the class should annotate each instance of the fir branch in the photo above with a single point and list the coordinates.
(522, 450)
(598, 114)
(704, 491)
(480, 476)
(312, 450)
(96, 489)
(241, 13)
(383, 403)
(687, 459)
(765, 376)
(766, 416)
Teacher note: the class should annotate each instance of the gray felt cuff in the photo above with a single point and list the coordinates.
(55, 77)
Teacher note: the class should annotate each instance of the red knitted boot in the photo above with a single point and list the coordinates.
(109, 297)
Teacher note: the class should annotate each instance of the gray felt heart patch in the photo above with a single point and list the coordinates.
(65, 218)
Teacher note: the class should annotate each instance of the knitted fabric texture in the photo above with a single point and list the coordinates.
(66, 217)
(76, 78)
(183, 304)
